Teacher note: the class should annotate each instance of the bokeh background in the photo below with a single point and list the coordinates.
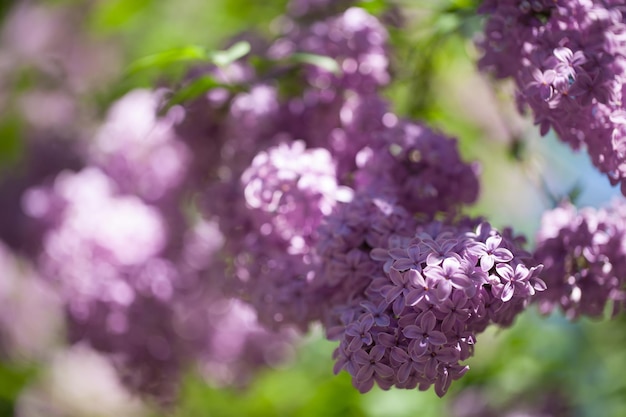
(63, 62)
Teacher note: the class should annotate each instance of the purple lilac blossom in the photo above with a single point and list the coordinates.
(419, 314)
(142, 153)
(355, 39)
(127, 298)
(567, 59)
(314, 9)
(44, 156)
(239, 344)
(107, 232)
(422, 167)
(269, 219)
(250, 127)
(346, 269)
(339, 111)
(582, 251)
(342, 122)
(280, 168)
(102, 256)
(288, 189)
(230, 129)
(139, 150)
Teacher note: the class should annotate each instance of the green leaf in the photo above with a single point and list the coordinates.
(375, 7)
(574, 193)
(190, 53)
(326, 63)
(192, 90)
(10, 143)
(13, 379)
(167, 58)
(223, 58)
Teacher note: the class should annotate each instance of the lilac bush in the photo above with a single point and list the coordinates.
(209, 232)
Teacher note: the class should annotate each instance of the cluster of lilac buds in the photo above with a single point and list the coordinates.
(583, 255)
(435, 291)
(568, 62)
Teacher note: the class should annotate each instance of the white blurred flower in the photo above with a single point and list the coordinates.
(79, 383)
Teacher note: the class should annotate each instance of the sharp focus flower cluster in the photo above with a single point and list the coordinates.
(430, 296)
(568, 61)
(583, 254)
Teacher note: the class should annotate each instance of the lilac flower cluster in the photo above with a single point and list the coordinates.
(431, 294)
(140, 151)
(582, 251)
(63, 68)
(134, 273)
(420, 167)
(284, 162)
(290, 189)
(338, 110)
(355, 39)
(284, 168)
(567, 59)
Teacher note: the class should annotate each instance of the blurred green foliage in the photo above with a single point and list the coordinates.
(13, 378)
(10, 149)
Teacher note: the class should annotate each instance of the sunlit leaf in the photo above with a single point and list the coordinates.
(190, 53)
(223, 58)
(373, 6)
(321, 61)
(167, 58)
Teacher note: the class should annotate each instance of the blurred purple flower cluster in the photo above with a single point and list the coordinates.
(582, 251)
(568, 62)
(139, 279)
